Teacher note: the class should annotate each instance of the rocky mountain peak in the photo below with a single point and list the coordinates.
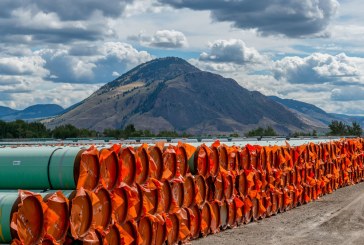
(161, 69)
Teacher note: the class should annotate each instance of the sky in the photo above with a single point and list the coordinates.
(61, 51)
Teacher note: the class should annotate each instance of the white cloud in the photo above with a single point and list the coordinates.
(231, 51)
(24, 93)
(290, 18)
(143, 6)
(168, 39)
(222, 68)
(319, 68)
(124, 52)
(67, 9)
(347, 94)
(229, 56)
(116, 74)
(54, 75)
(344, 107)
(32, 65)
(92, 65)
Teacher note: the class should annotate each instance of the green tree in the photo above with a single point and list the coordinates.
(168, 134)
(355, 129)
(129, 131)
(314, 132)
(338, 128)
(130, 128)
(186, 135)
(37, 130)
(3, 126)
(298, 134)
(65, 131)
(255, 132)
(269, 131)
(147, 133)
(22, 129)
(116, 133)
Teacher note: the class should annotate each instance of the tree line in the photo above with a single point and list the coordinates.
(20, 129)
(339, 128)
(131, 132)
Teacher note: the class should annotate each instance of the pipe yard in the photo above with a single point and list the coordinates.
(157, 192)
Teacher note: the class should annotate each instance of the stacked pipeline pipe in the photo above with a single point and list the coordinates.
(153, 194)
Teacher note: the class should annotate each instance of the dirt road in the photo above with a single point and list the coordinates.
(337, 218)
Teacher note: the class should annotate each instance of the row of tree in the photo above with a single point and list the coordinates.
(269, 131)
(337, 128)
(20, 129)
(131, 132)
(341, 129)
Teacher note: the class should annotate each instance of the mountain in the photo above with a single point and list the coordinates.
(33, 112)
(349, 119)
(316, 116)
(171, 94)
(6, 110)
(307, 112)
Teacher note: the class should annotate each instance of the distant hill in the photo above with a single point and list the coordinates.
(31, 112)
(349, 119)
(6, 111)
(316, 115)
(171, 94)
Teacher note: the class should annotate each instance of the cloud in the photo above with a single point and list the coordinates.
(91, 64)
(225, 56)
(143, 6)
(8, 81)
(116, 74)
(17, 87)
(83, 50)
(20, 91)
(347, 94)
(221, 68)
(63, 75)
(117, 57)
(169, 39)
(67, 9)
(319, 68)
(231, 51)
(58, 21)
(32, 65)
(344, 107)
(46, 92)
(269, 17)
(28, 27)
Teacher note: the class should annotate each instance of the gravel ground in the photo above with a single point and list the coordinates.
(336, 218)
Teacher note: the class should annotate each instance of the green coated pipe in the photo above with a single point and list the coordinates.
(9, 201)
(25, 167)
(64, 168)
(39, 167)
(191, 163)
(67, 193)
(199, 166)
(8, 204)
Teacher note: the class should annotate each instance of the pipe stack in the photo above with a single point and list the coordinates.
(152, 194)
